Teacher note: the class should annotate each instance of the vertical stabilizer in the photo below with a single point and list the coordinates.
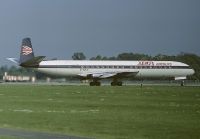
(26, 50)
(27, 58)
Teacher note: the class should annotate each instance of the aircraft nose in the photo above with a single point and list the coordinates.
(192, 71)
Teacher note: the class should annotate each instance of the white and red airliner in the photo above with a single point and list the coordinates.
(94, 70)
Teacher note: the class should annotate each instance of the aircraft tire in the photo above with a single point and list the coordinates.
(92, 83)
(95, 83)
(119, 83)
(98, 83)
(116, 83)
(112, 83)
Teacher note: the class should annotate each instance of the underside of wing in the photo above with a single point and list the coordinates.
(104, 75)
(126, 74)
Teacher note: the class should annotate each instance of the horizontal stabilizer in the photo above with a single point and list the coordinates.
(15, 60)
(34, 62)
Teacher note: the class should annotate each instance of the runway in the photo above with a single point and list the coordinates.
(34, 135)
(128, 83)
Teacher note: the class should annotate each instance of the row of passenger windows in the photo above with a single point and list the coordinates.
(115, 67)
(135, 67)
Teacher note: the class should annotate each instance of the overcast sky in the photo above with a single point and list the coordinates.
(58, 28)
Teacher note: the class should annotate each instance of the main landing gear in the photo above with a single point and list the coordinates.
(95, 83)
(116, 83)
(113, 83)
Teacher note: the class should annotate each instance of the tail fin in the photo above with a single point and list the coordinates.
(26, 51)
(27, 58)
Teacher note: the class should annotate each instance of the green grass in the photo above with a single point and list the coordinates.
(128, 112)
(6, 137)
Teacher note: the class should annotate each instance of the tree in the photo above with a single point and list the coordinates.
(78, 56)
(164, 57)
(98, 57)
(3, 69)
(132, 56)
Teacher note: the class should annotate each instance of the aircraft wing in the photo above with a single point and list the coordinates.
(103, 75)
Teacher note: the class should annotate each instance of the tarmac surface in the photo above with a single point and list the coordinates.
(136, 83)
(34, 135)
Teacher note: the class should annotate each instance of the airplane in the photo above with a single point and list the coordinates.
(95, 70)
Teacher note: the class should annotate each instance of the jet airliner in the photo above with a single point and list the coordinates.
(94, 70)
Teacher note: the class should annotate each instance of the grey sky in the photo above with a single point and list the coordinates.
(58, 28)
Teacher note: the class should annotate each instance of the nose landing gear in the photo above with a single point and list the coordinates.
(182, 83)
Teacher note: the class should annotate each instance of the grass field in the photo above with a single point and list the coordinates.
(4, 137)
(128, 112)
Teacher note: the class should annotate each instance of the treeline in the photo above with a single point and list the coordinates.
(14, 70)
(190, 59)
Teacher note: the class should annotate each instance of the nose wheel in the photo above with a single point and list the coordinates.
(182, 83)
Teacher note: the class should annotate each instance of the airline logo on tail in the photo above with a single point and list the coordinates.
(26, 50)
